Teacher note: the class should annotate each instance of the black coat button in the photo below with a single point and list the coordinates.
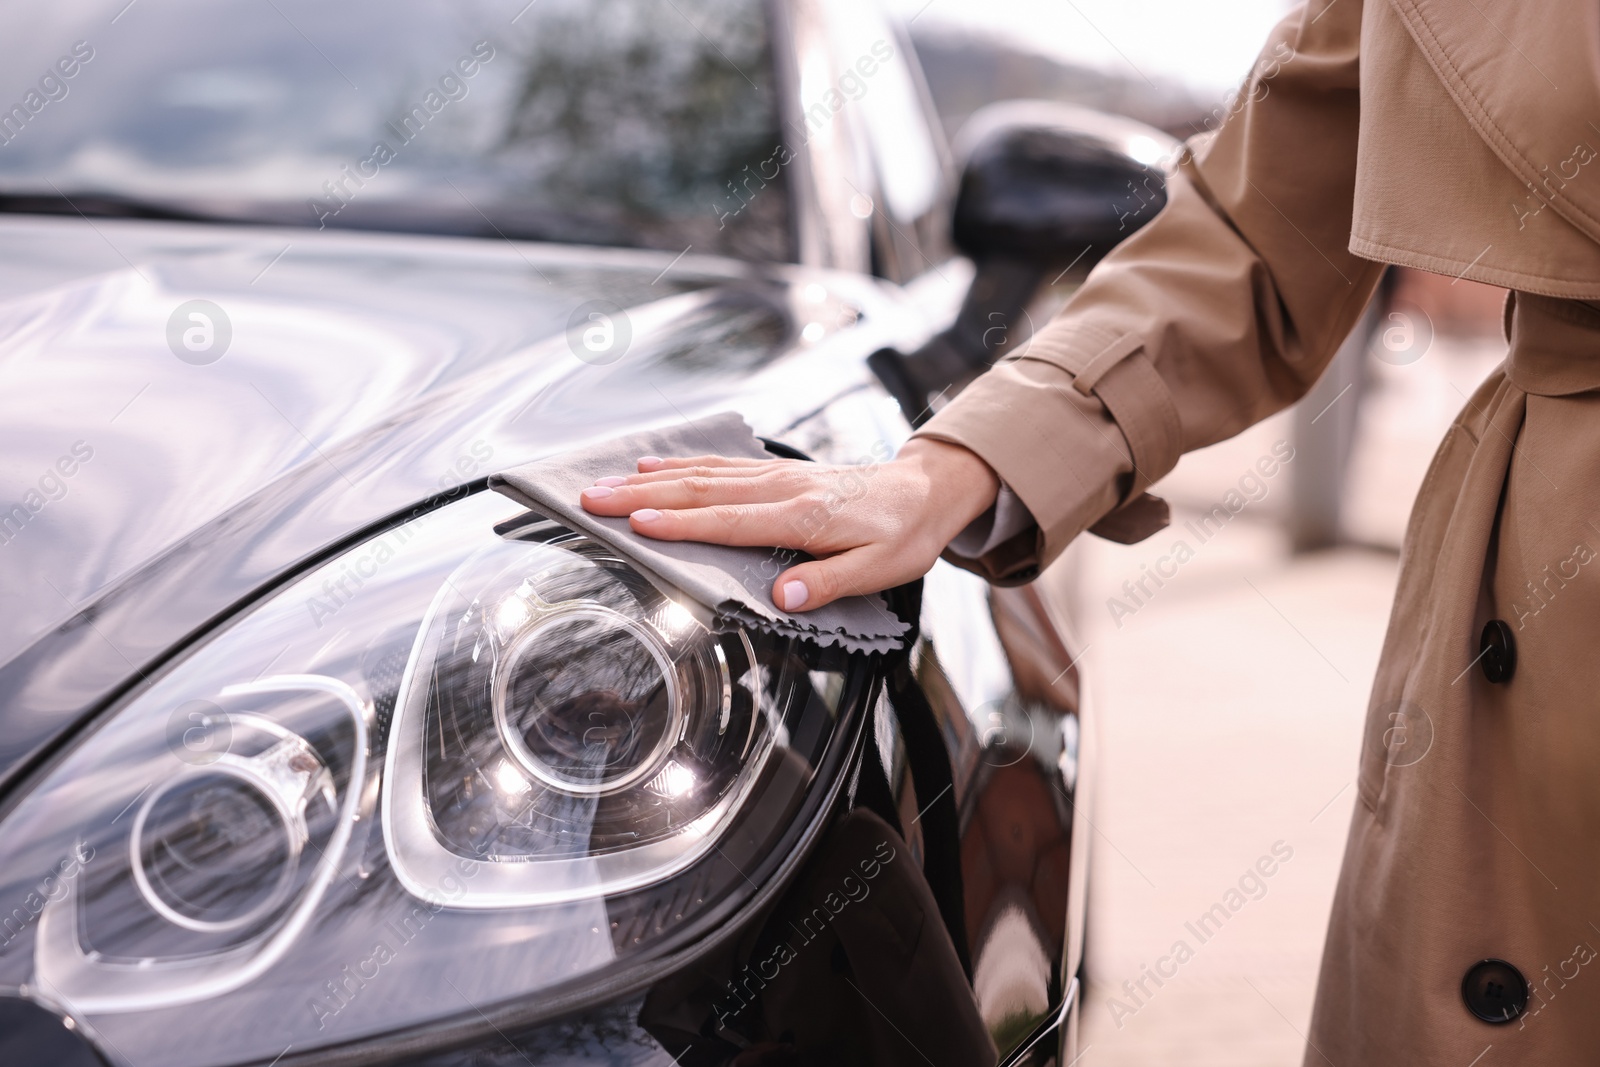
(1495, 991)
(1497, 651)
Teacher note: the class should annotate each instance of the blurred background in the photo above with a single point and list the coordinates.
(1231, 701)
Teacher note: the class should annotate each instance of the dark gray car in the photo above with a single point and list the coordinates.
(315, 751)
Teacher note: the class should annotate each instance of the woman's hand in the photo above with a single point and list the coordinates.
(871, 528)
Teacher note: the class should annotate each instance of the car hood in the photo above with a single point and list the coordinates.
(145, 490)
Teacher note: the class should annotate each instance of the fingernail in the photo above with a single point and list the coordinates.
(646, 515)
(649, 461)
(795, 594)
(614, 480)
(598, 492)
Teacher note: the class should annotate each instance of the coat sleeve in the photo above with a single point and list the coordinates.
(1224, 309)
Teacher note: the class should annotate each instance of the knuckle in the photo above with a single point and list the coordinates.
(697, 486)
(730, 515)
(632, 497)
(808, 515)
(792, 479)
(822, 583)
(810, 501)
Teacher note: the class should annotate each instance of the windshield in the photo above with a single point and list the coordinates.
(617, 122)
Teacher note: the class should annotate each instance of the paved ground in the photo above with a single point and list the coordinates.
(1233, 699)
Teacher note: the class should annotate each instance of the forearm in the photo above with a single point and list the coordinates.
(1224, 309)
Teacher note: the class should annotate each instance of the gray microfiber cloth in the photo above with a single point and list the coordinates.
(734, 583)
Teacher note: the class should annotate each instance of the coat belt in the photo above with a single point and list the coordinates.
(1555, 345)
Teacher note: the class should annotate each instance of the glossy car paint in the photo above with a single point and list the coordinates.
(368, 373)
(365, 374)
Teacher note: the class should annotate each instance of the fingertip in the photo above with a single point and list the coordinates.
(792, 594)
(612, 481)
(649, 463)
(649, 522)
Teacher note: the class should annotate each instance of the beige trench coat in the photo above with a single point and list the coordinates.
(1457, 136)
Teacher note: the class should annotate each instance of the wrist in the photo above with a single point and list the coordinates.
(961, 484)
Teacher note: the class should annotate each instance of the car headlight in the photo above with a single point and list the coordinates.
(455, 765)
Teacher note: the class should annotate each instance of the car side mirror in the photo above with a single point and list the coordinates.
(1045, 188)
(1051, 184)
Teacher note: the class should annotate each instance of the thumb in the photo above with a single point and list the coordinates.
(822, 581)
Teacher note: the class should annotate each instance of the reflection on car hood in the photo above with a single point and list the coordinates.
(364, 373)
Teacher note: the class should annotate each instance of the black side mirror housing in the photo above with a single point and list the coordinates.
(1045, 187)
(1050, 183)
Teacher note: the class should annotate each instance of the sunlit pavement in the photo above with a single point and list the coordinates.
(1231, 699)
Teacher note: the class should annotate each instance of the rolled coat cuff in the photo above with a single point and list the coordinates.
(1006, 518)
(1046, 431)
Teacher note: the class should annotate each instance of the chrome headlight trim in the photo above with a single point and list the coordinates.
(422, 863)
(97, 987)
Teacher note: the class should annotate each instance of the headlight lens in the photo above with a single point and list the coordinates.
(567, 765)
(596, 737)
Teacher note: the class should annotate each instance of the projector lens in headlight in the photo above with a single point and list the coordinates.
(213, 852)
(568, 729)
(455, 765)
(580, 731)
